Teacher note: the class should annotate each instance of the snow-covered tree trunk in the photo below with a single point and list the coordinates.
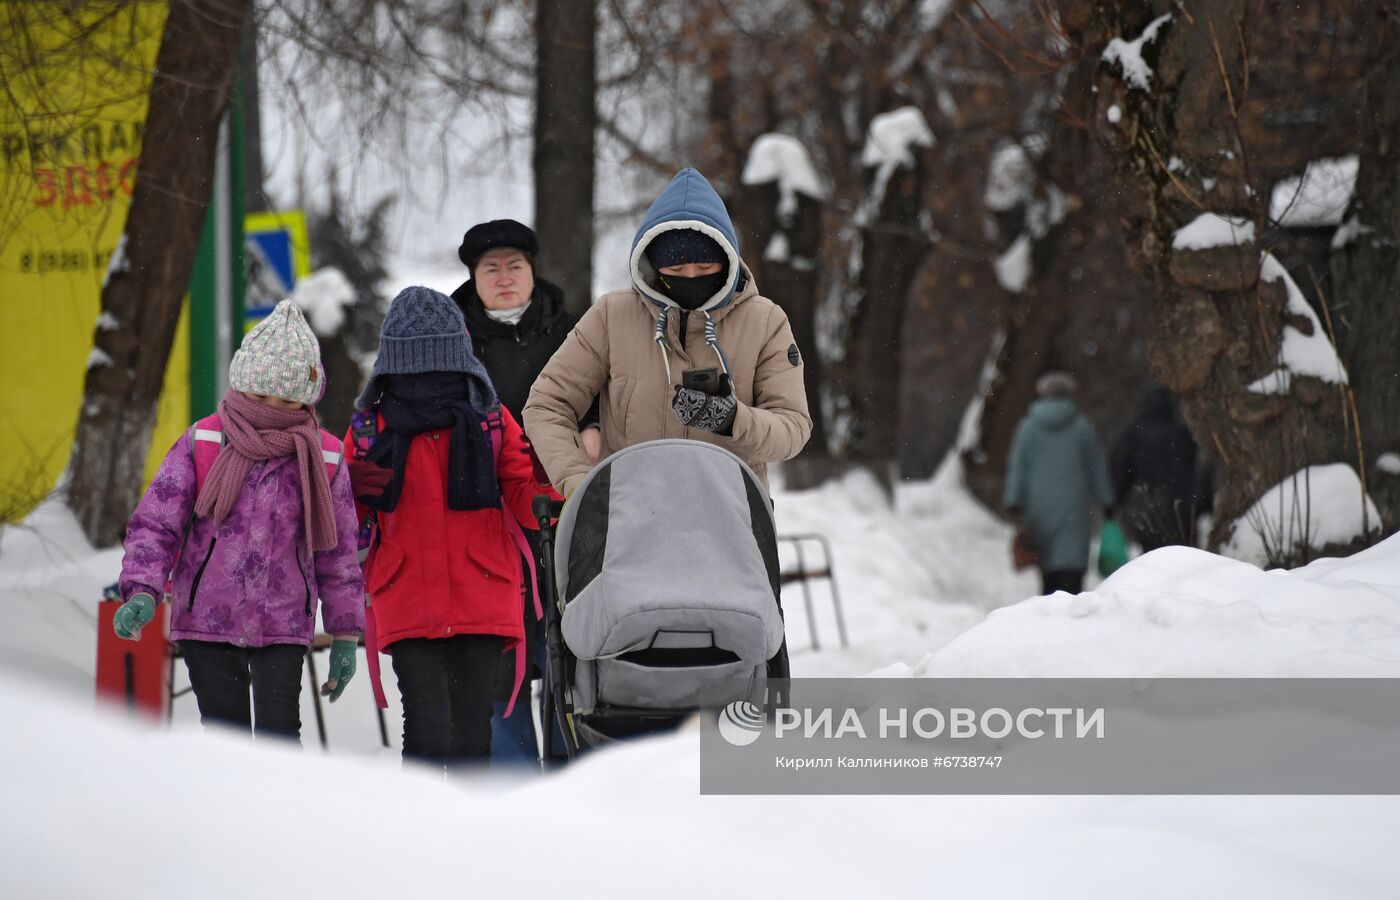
(1074, 304)
(780, 216)
(885, 243)
(1228, 329)
(150, 271)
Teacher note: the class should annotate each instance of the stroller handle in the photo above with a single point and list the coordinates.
(546, 509)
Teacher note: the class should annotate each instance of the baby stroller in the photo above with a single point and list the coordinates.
(661, 593)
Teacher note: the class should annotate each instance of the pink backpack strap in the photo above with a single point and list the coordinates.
(364, 426)
(496, 428)
(372, 656)
(207, 439)
(332, 451)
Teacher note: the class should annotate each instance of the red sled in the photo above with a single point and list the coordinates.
(134, 674)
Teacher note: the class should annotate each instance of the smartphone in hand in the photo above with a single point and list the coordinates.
(706, 381)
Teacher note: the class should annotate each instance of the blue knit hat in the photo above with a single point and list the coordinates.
(684, 245)
(424, 332)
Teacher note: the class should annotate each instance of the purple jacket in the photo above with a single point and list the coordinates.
(247, 581)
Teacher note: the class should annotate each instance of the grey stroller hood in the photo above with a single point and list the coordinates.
(669, 546)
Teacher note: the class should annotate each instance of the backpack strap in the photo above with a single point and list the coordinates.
(332, 453)
(495, 426)
(207, 439)
(364, 427)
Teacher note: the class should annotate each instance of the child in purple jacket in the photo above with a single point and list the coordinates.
(251, 519)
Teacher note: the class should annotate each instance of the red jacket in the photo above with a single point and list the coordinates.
(437, 572)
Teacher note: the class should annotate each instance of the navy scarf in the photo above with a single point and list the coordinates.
(433, 401)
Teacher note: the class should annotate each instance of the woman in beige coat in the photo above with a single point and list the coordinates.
(692, 350)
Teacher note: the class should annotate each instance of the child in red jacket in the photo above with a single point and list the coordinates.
(444, 574)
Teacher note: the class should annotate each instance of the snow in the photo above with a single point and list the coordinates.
(323, 296)
(118, 264)
(1115, 115)
(243, 820)
(777, 249)
(1013, 266)
(1128, 54)
(1213, 230)
(1317, 198)
(1183, 612)
(1389, 463)
(1010, 178)
(1350, 231)
(107, 322)
(927, 590)
(98, 357)
(1299, 354)
(1315, 506)
(892, 136)
(889, 144)
(780, 158)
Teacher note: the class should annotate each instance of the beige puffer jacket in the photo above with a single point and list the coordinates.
(612, 353)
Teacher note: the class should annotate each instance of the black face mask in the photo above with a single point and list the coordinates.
(691, 293)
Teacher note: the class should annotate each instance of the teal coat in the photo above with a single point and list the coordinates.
(1056, 476)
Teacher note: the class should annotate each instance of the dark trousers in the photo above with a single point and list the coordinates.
(1068, 580)
(222, 673)
(447, 686)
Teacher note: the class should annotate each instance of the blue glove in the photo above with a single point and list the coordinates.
(342, 667)
(136, 613)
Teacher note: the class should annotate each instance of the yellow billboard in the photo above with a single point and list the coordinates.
(76, 78)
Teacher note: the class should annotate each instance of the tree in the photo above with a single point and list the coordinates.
(193, 82)
(357, 251)
(1048, 230)
(1365, 264)
(1201, 111)
(565, 122)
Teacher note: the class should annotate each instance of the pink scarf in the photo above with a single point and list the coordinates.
(254, 431)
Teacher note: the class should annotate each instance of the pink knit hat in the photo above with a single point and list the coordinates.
(280, 358)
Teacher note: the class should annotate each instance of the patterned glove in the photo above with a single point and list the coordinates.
(709, 412)
(342, 667)
(136, 613)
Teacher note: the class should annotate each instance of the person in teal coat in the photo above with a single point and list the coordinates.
(1055, 477)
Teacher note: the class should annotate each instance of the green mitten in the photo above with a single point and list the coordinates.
(136, 613)
(1113, 549)
(343, 652)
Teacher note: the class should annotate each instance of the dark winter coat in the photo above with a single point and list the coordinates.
(1055, 478)
(515, 353)
(1154, 474)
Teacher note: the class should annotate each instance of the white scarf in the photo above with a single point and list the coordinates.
(508, 316)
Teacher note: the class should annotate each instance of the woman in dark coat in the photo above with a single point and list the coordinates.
(516, 322)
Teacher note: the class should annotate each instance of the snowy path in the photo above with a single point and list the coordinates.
(927, 592)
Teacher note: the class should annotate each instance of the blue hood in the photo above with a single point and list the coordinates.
(688, 202)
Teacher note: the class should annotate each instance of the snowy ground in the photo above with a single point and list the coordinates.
(927, 591)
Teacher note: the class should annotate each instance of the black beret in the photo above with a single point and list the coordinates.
(493, 234)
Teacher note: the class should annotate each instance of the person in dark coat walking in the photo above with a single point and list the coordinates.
(1153, 464)
(516, 322)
